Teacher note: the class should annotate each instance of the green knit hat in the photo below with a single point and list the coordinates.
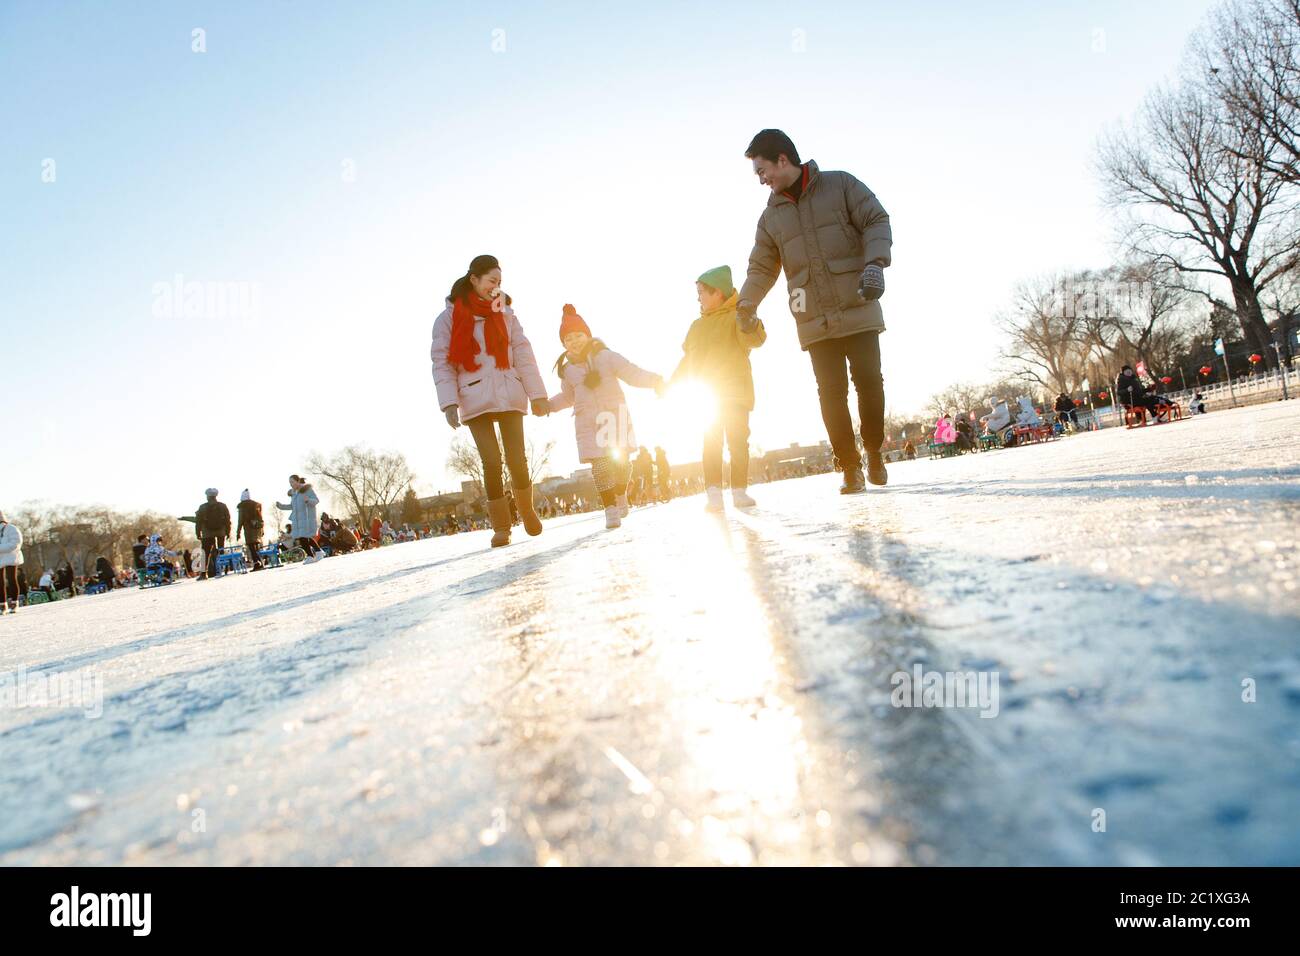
(720, 279)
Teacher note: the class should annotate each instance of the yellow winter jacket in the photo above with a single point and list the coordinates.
(717, 353)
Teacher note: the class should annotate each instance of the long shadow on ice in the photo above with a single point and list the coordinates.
(1111, 698)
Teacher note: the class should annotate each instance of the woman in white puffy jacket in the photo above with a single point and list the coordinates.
(487, 377)
(11, 559)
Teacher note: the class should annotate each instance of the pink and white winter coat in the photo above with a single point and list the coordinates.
(945, 432)
(601, 420)
(487, 389)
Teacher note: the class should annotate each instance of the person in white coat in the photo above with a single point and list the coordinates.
(486, 377)
(302, 509)
(11, 559)
(589, 374)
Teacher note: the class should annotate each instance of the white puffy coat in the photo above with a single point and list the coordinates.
(601, 421)
(11, 546)
(487, 389)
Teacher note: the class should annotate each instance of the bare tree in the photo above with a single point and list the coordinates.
(369, 481)
(463, 459)
(538, 459)
(971, 397)
(79, 534)
(1144, 315)
(1249, 57)
(1203, 196)
(1045, 326)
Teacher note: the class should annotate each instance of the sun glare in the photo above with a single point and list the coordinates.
(678, 420)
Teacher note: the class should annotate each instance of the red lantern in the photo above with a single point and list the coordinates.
(1101, 395)
(1078, 401)
(1256, 358)
(1166, 380)
(1206, 370)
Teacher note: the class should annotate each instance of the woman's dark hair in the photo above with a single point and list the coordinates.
(478, 267)
(770, 144)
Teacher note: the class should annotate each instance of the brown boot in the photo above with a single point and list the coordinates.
(499, 515)
(527, 513)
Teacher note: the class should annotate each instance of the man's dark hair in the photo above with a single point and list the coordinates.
(770, 144)
(142, 537)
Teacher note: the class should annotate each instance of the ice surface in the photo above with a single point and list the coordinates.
(703, 689)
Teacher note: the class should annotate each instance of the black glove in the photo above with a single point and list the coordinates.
(872, 284)
(453, 416)
(746, 316)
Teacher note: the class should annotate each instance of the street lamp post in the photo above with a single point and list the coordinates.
(1281, 367)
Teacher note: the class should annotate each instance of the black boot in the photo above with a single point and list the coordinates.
(876, 473)
(853, 481)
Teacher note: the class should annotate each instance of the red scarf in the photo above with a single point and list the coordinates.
(464, 347)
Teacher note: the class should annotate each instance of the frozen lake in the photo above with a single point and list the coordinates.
(703, 689)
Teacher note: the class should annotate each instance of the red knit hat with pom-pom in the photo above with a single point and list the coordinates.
(572, 322)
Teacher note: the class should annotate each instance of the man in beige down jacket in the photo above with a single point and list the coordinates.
(831, 236)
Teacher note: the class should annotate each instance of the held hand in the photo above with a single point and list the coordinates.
(661, 388)
(541, 407)
(872, 284)
(746, 316)
(453, 416)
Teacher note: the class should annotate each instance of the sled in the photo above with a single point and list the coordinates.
(155, 575)
(231, 560)
(1135, 416)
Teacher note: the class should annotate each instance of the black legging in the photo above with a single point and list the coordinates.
(484, 433)
(309, 545)
(9, 585)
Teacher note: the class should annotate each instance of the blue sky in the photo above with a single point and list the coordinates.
(345, 162)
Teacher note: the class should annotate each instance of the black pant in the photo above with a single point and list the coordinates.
(308, 545)
(254, 546)
(733, 421)
(483, 428)
(9, 584)
(211, 548)
(833, 361)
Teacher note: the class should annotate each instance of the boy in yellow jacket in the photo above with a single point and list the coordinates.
(717, 354)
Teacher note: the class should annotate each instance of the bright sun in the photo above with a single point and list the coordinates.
(677, 421)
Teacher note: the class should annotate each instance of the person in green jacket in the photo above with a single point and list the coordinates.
(717, 354)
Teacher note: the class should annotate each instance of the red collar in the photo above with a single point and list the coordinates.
(803, 184)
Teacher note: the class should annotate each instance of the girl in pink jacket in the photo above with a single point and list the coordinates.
(487, 377)
(589, 383)
(945, 432)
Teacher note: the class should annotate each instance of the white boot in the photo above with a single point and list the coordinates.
(740, 498)
(714, 502)
(613, 517)
(621, 502)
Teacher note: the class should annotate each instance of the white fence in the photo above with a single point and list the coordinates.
(1245, 390)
